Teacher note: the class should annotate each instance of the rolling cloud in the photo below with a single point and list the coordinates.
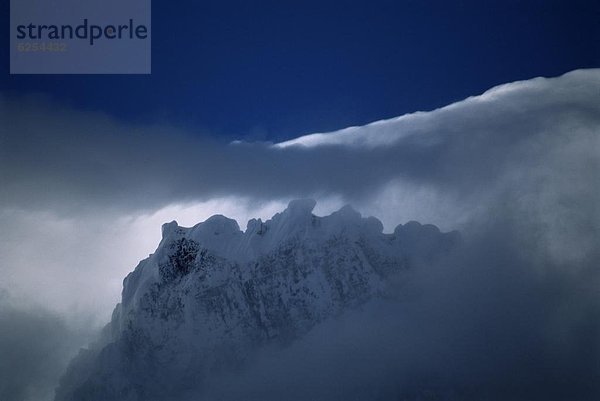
(60, 158)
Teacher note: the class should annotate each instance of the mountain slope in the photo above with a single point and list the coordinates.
(211, 295)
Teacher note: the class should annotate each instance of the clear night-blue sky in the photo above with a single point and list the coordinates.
(278, 69)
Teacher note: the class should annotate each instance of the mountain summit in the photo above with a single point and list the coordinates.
(212, 295)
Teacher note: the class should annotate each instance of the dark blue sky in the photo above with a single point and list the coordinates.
(278, 69)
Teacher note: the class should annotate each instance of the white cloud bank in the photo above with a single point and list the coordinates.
(82, 196)
(52, 157)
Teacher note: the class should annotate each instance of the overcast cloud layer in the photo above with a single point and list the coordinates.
(82, 197)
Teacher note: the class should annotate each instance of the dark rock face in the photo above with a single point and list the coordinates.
(181, 260)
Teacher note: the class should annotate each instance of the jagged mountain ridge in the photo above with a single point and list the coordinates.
(212, 294)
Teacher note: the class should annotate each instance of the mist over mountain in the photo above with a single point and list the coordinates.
(507, 310)
(212, 297)
(302, 307)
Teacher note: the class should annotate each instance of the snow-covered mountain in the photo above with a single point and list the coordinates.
(211, 295)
